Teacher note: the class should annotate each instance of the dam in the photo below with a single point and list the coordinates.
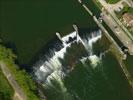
(55, 68)
(51, 65)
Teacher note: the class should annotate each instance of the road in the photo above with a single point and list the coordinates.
(19, 94)
(114, 23)
(110, 8)
(116, 29)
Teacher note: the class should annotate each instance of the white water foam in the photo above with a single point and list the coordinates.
(52, 68)
(88, 43)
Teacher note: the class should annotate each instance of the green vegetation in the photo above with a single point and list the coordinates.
(112, 1)
(6, 91)
(119, 14)
(126, 9)
(24, 80)
(130, 10)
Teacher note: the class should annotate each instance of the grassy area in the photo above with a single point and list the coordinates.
(6, 91)
(124, 10)
(112, 1)
(24, 79)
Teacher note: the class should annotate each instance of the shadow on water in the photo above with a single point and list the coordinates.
(13, 47)
(46, 50)
(53, 44)
(39, 55)
(84, 32)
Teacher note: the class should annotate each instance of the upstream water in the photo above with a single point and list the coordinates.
(83, 71)
(77, 71)
(28, 25)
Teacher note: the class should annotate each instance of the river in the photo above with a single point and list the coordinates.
(29, 28)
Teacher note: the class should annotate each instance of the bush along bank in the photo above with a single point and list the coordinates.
(22, 77)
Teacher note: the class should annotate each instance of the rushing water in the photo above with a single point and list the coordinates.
(77, 68)
(51, 66)
(84, 76)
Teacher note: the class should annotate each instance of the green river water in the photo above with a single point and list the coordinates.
(27, 26)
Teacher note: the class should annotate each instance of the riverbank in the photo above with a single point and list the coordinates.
(8, 92)
(18, 79)
(18, 93)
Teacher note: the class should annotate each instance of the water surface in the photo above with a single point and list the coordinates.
(28, 25)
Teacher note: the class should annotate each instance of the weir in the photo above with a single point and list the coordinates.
(52, 68)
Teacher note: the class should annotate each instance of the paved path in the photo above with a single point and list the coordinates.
(19, 95)
(114, 23)
(110, 9)
(116, 29)
(113, 41)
